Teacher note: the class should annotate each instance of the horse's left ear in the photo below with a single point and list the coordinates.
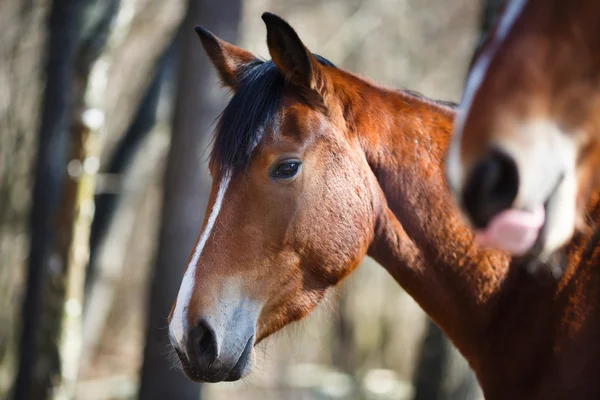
(229, 60)
(290, 55)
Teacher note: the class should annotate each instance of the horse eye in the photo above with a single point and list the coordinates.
(286, 169)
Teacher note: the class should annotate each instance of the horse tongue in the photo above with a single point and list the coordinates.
(512, 230)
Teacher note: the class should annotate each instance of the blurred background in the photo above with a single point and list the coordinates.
(106, 108)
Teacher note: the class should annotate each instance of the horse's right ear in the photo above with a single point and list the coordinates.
(229, 60)
(294, 60)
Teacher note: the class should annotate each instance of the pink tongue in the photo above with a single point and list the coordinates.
(512, 230)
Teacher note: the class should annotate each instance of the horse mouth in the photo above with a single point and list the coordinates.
(522, 232)
(540, 253)
(539, 246)
(215, 373)
(241, 367)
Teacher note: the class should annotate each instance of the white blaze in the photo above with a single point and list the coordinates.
(513, 10)
(178, 326)
(474, 81)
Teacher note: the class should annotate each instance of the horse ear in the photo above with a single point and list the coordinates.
(229, 60)
(290, 55)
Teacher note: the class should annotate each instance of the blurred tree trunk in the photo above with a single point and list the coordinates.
(443, 373)
(21, 58)
(122, 157)
(343, 346)
(62, 202)
(491, 9)
(198, 102)
(489, 13)
(139, 74)
(107, 227)
(38, 352)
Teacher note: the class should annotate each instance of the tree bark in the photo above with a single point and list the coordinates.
(37, 366)
(62, 202)
(187, 183)
(21, 68)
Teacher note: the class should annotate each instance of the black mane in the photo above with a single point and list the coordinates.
(252, 110)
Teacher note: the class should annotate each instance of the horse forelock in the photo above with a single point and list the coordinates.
(255, 108)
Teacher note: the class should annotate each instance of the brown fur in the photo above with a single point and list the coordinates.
(372, 184)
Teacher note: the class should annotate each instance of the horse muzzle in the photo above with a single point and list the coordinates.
(219, 346)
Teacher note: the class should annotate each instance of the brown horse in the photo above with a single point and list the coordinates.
(525, 158)
(314, 168)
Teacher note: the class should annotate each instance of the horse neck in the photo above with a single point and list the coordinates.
(420, 237)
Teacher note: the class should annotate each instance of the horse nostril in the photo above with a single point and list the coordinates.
(202, 345)
(491, 188)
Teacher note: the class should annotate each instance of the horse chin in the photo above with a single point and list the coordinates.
(240, 370)
(244, 365)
